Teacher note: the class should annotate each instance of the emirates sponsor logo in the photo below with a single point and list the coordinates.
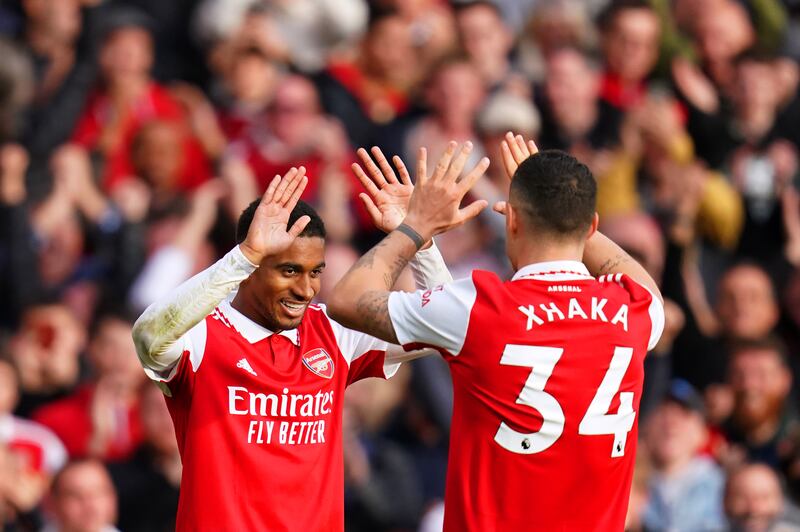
(319, 363)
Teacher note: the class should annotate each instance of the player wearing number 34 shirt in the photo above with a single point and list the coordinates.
(546, 367)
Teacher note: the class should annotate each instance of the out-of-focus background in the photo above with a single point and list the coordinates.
(132, 133)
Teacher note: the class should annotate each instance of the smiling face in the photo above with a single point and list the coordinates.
(279, 292)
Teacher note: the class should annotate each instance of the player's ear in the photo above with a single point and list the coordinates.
(593, 227)
(512, 219)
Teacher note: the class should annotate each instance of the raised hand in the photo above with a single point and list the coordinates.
(435, 203)
(515, 150)
(268, 234)
(387, 201)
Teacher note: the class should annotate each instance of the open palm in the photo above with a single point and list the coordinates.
(269, 233)
(388, 197)
(515, 150)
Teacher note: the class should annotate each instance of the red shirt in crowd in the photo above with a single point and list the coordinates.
(380, 102)
(156, 103)
(71, 420)
(620, 95)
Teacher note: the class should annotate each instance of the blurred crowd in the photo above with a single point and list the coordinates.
(133, 133)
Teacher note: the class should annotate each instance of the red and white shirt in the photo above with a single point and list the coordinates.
(39, 448)
(257, 415)
(547, 376)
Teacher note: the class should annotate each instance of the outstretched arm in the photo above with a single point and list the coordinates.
(158, 329)
(386, 199)
(360, 300)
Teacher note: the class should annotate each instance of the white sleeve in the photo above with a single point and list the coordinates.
(164, 367)
(162, 332)
(438, 317)
(355, 344)
(429, 268)
(656, 311)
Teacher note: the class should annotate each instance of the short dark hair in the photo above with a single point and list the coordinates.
(464, 5)
(110, 311)
(55, 484)
(316, 227)
(769, 343)
(556, 193)
(378, 14)
(607, 17)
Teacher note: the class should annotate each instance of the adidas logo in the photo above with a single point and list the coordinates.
(245, 365)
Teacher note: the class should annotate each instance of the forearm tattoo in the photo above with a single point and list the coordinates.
(372, 306)
(613, 263)
(374, 309)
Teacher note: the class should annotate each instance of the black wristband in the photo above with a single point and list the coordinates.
(413, 235)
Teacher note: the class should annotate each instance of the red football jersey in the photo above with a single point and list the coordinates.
(258, 418)
(547, 377)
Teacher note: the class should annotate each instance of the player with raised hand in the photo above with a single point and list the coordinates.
(547, 367)
(255, 374)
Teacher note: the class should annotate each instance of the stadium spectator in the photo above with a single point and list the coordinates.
(572, 111)
(50, 241)
(295, 133)
(30, 455)
(747, 305)
(746, 308)
(630, 31)
(37, 447)
(314, 30)
(147, 484)
(487, 42)
(63, 73)
(101, 418)
(125, 99)
(685, 487)
(554, 24)
(454, 96)
(82, 499)
(373, 89)
(721, 30)
(250, 82)
(763, 416)
(45, 352)
(754, 500)
(432, 26)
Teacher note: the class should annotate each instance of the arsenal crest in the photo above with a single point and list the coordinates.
(319, 363)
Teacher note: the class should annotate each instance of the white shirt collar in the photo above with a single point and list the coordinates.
(557, 270)
(250, 330)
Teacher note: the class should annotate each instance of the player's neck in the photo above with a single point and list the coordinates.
(547, 253)
(245, 303)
